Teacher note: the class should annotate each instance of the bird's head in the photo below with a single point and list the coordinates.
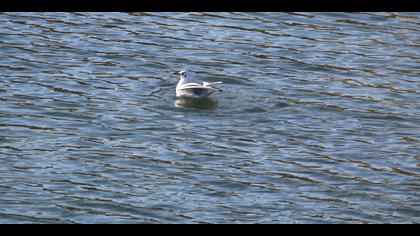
(182, 74)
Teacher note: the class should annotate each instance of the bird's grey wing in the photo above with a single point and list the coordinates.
(191, 84)
(198, 90)
(197, 87)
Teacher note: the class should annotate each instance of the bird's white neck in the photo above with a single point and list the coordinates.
(181, 81)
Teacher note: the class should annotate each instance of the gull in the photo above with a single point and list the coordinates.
(188, 89)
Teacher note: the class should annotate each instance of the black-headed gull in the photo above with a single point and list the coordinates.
(189, 89)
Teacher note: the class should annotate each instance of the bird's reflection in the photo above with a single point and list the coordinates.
(203, 103)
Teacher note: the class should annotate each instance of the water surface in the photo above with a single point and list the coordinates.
(318, 121)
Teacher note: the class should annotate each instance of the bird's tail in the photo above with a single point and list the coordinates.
(217, 82)
(217, 89)
(207, 84)
(211, 83)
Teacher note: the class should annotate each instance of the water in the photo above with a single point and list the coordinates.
(318, 121)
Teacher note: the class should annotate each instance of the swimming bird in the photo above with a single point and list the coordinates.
(188, 89)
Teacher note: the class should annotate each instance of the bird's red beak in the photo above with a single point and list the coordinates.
(178, 73)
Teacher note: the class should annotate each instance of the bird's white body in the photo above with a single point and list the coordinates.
(188, 89)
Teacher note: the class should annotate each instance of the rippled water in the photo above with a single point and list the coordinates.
(318, 121)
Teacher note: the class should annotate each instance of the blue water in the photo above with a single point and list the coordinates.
(318, 121)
